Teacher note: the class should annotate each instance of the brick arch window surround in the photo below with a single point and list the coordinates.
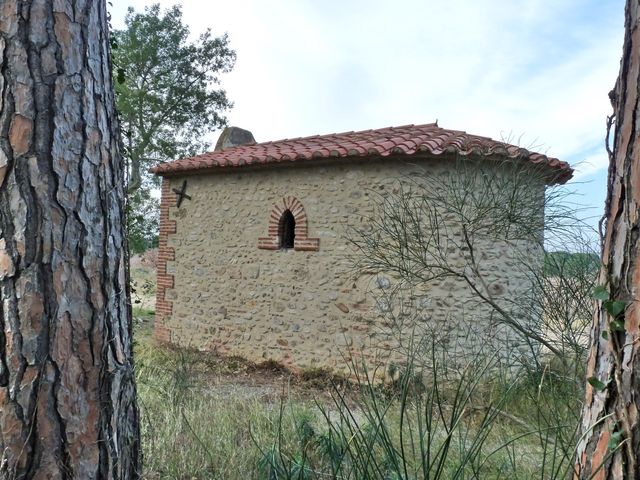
(285, 214)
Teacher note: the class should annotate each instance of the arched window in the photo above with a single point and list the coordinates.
(287, 229)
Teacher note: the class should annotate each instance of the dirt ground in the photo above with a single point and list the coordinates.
(233, 377)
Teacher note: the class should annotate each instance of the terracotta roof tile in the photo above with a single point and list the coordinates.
(404, 140)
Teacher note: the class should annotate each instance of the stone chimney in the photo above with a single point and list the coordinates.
(234, 137)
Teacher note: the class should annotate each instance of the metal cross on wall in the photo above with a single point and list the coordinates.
(182, 194)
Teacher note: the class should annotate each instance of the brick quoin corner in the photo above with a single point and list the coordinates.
(164, 307)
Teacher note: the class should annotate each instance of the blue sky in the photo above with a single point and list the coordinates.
(535, 71)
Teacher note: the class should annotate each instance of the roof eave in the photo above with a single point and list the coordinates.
(557, 174)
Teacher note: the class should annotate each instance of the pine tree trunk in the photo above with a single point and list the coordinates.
(67, 391)
(610, 446)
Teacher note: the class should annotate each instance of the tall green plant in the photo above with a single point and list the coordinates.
(451, 428)
(167, 87)
(168, 98)
(143, 216)
(448, 227)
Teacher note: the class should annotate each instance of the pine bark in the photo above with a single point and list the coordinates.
(67, 391)
(610, 446)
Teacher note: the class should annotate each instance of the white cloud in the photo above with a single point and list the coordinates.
(541, 68)
(590, 164)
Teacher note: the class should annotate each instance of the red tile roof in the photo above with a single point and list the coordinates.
(400, 141)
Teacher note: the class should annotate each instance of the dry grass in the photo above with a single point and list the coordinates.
(204, 417)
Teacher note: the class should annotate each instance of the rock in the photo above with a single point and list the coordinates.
(234, 137)
(424, 302)
(252, 271)
(497, 289)
(342, 307)
(343, 340)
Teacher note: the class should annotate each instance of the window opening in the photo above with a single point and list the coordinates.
(287, 230)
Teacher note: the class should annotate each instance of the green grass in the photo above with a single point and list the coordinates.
(143, 315)
(474, 426)
(190, 433)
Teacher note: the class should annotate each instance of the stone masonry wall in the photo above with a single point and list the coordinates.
(224, 285)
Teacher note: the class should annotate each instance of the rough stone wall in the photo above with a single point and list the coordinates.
(223, 287)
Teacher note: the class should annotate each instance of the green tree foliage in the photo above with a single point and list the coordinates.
(168, 97)
(142, 220)
(571, 263)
